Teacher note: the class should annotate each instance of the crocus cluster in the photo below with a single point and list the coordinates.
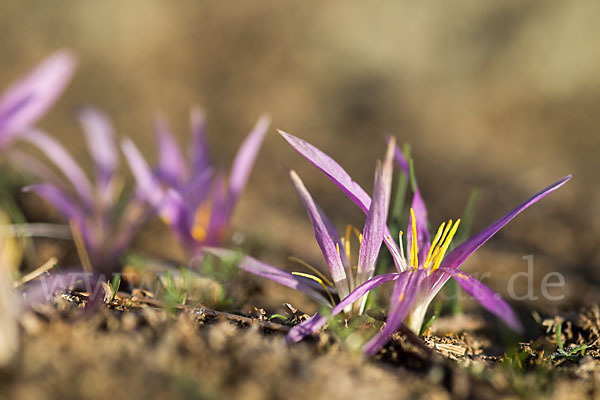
(93, 211)
(102, 213)
(194, 198)
(422, 267)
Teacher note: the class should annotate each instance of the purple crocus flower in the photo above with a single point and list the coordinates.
(345, 276)
(194, 198)
(24, 102)
(424, 272)
(106, 218)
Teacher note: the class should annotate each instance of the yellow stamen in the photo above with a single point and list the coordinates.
(414, 250)
(443, 238)
(347, 241)
(313, 269)
(440, 243)
(451, 234)
(318, 280)
(358, 235)
(433, 244)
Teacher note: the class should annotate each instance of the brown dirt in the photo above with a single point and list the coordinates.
(133, 350)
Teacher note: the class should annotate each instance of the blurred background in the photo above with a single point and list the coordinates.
(501, 96)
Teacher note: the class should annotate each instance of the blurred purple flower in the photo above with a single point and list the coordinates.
(106, 216)
(194, 198)
(24, 102)
(424, 272)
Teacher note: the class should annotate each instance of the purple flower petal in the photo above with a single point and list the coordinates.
(69, 209)
(374, 229)
(171, 163)
(423, 238)
(340, 178)
(197, 190)
(489, 299)
(330, 168)
(455, 259)
(403, 297)
(146, 183)
(402, 161)
(219, 212)
(28, 162)
(26, 101)
(303, 329)
(63, 160)
(177, 214)
(315, 323)
(263, 270)
(100, 136)
(200, 154)
(333, 234)
(58, 199)
(361, 290)
(135, 215)
(244, 159)
(330, 253)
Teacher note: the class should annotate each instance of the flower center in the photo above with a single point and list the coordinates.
(439, 245)
(201, 221)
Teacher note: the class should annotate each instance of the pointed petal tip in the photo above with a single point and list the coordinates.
(66, 54)
(517, 326)
(126, 143)
(262, 126)
(160, 118)
(265, 118)
(558, 183)
(287, 136)
(197, 116)
(63, 60)
(391, 145)
(294, 175)
(566, 178)
(306, 328)
(197, 110)
(86, 109)
(28, 98)
(62, 63)
(245, 158)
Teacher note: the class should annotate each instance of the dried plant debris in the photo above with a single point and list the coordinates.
(574, 335)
